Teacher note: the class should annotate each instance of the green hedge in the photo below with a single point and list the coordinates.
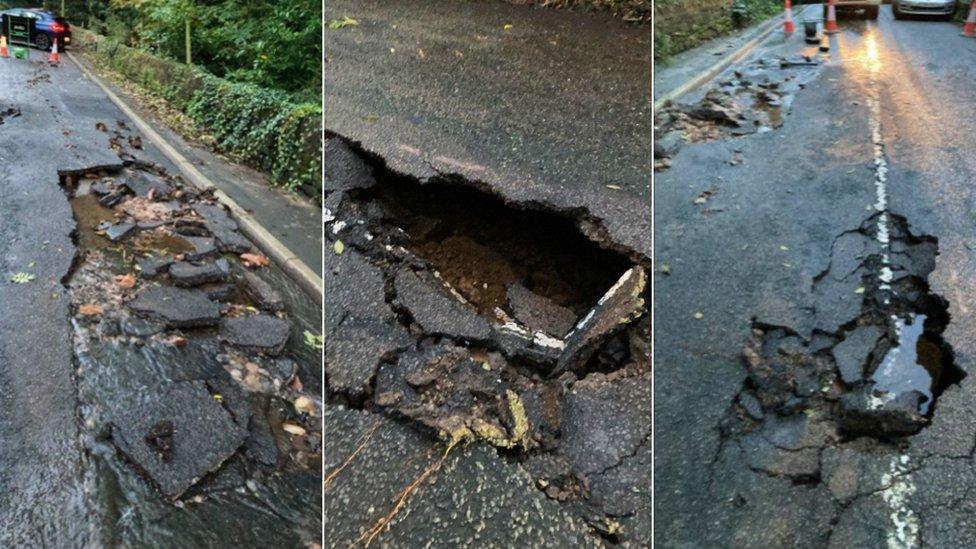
(680, 25)
(261, 127)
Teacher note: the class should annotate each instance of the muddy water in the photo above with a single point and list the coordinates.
(240, 504)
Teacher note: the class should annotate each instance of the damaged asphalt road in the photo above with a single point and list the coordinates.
(554, 109)
(501, 327)
(152, 369)
(813, 331)
(486, 267)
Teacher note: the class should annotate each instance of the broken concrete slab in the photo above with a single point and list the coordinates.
(436, 312)
(176, 436)
(515, 341)
(538, 312)
(194, 274)
(176, 307)
(256, 333)
(851, 354)
(620, 305)
(263, 294)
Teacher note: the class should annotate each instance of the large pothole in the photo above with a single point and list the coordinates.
(874, 366)
(477, 319)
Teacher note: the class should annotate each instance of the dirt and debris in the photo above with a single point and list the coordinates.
(185, 354)
(752, 99)
(476, 320)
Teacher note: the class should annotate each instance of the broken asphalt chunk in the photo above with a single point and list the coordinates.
(119, 231)
(436, 312)
(873, 413)
(256, 333)
(176, 436)
(193, 274)
(345, 170)
(262, 293)
(619, 306)
(852, 353)
(176, 307)
(357, 348)
(203, 247)
(538, 312)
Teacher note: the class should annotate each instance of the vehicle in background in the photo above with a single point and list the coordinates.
(870, 7)
(940, 8)
(48, 27)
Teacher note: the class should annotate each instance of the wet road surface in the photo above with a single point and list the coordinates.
(63, 479)
(883, 134)
(543, 106)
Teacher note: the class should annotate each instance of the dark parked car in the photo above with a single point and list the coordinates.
(47, 27)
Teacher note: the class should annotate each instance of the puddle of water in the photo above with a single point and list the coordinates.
(158, 241)
(89, 214)
(917, 363)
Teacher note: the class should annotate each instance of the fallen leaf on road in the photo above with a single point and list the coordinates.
(101, 127)
(665, 268)
(296, 430)
(507, 26)
(296, 384)
(338, 247)
(859, 290)
(90, 309)
(698, 315)
(784, 248)
(303, 404)
(21, 278)
(126, 281)
(342, 23)
(176, 341)
(254, 260)
(614, 187)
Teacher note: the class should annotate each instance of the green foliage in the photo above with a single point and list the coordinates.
(683, 24)
(262, 127)
(269, 43)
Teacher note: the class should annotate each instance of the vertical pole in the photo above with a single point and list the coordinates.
(189, 58)
(62, 8)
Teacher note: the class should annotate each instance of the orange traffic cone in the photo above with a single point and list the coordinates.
(831, 26)
(788, 26)
(54, 57)
(969, 29)
(4, 52)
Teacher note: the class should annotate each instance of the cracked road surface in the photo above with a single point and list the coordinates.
(121, 422)
(884, 133)
(549, 111)
(487, 245)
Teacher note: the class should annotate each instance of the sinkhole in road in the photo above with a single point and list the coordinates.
(492, 253)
